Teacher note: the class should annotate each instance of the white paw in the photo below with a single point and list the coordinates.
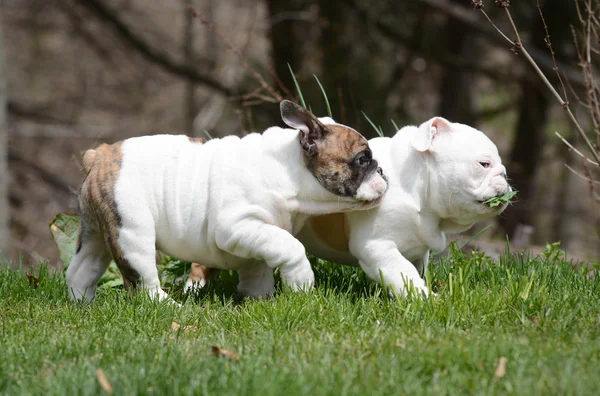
(193, 286)
(159, 294)
(417, 285)
(303, 279)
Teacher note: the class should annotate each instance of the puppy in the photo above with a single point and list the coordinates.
(440, 173)
(231, 203)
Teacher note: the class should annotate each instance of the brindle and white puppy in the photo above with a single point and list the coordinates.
(440, 174)
(231, 203)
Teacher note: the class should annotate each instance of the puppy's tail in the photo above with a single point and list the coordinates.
(89, 158)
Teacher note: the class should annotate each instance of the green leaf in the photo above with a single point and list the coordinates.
(324, 95)
(65, 231)
(297, 87)
(500, 200)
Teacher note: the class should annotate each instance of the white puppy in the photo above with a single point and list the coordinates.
(231, 203)
(439, 174)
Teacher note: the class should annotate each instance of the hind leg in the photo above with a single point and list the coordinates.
(135, 253)
(87, 266)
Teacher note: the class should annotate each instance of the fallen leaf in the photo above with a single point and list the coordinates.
(65, 231)
(104, 381)
(33, 281)
(535, 320)
(501, 368)
(216, 351)
(176, 326)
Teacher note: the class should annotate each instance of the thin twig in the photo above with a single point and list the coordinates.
(549, 44)
(496, 27)
(563, 103)
(581, 176)
(566, 142)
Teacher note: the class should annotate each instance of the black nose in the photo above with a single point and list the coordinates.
(380, 171)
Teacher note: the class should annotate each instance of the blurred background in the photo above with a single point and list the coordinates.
(77, 73)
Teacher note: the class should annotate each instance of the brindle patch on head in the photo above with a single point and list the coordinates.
(196, 139)
(98, 205)
(333, 164)
(333, 230)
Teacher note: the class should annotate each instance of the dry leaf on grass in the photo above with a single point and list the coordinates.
(216, 351)
(33, 281)
(104, 381)
(176, 326)
(501, 368)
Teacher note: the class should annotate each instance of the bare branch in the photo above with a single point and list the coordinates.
(464, 15)
(564, 103)
(152, 54)
(549, 44)
(581, 176)
(566, 142)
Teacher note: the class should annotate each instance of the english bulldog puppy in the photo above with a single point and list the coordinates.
(440, 174)
(232, 203)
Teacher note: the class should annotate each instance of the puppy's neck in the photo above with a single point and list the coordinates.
(305, 193)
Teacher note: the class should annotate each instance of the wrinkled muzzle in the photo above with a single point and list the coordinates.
(495, 184)
(374, 185)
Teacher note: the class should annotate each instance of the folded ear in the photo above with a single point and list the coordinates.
(311, 129)
(423, 141)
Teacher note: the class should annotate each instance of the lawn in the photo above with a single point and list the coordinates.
(344, 337)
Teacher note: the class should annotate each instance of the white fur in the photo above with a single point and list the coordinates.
(435, 183)
(230, 203)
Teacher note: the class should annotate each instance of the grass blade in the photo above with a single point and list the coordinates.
(324, 95)
(207, 134)
(378, 130)
(476, 235)
(395, 126)
(297, 87)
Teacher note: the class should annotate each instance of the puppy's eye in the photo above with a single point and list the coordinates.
(485, 164)
(364, 158)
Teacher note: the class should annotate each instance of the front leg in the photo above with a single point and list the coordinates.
(253, 239)
(256, 280)
(381, 258)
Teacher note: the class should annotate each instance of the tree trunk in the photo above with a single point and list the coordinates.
(188, 52)
(4, 210)
(456, 102)
(286, 39)
(529, 140)
(525, 154)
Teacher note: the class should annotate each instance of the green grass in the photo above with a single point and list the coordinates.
(344, 337)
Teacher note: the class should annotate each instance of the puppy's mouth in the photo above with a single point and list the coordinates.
(486, 202)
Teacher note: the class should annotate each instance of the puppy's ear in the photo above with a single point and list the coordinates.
(423, 141)
(327, 120)
(311, 129)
